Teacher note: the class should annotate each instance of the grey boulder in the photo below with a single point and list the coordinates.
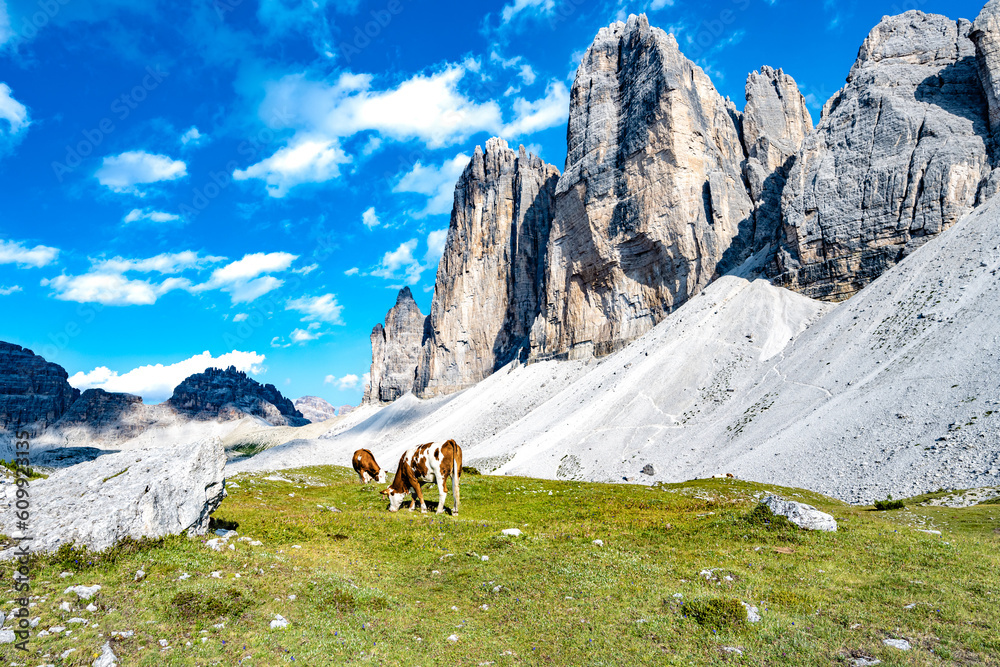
(804, 516)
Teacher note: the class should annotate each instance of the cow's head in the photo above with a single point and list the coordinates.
(395, 498)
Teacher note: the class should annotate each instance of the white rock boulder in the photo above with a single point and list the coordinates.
(802, 515)
(138, 493)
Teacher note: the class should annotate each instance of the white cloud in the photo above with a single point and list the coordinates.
(13, 112)
(436, 182)
(549, 111)
(306, 270)
(124, 172)
(302, 336)
(435, 247)
(524, 70)
(192, 136)
(240, 317)
(7, 291)
(14, 252)
(246, 279)
(307, 160)
(156, 383)
(400, 264)
(148, 214)
(370, 219)
(106, 283)
(166, 263)
(329, 379)
(525, 8)
(317, 308)
(353, 271)
(110, 289)
(349, 381)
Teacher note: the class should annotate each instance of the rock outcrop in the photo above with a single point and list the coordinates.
(315, 409)
(490, 281)
(113, 415)
(986, 36)
(775, 123)
(395, 350)
(652, 198)
(139, 493)
(899, 155)
(804, 516)
(34, 393)
(231, 394)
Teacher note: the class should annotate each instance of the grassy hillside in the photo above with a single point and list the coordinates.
(376, 588)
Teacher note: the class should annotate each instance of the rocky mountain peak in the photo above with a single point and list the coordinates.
(34, 393)
(231, 394)
(315, 409)
(985, 34)
(395, 350)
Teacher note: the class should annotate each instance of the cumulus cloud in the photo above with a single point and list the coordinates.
(527, 8)
(240, 317)
(549, 111)
(14, 116)
(436, 182)
(302, 336)
(149, 215)
(353, 271)
(7, 291)
(317, 308)
(124, 172)
(248, 279)
(370, 219)
(307, 160)
(349, 381)
(156, 383)
(400, 264)
(435, 247)
(15, 252)
(192, 137)
(107, 281)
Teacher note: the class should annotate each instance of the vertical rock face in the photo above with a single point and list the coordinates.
(395, 350)
(33, 392)
(107, 413)
(986, 35)
(652, 197)
(775, 123)
(898, 156)
(315, 409)
(490, 280)
(231, 394)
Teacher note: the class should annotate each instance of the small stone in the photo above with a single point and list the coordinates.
(77, 620)
(900, 644)
(83, 592)
(732, 649)
(598, 543)
(216, 575)
(65, 606)
(453, 638)
(865, 662)
(279, 622)
(802, 515)
(63, 575)
(649, 469)
(512, 532)
(485, 558)
(140, 575)
(753, 614)
(91, 608)
(164, 643)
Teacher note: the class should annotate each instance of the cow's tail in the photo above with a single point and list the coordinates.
(456, 470)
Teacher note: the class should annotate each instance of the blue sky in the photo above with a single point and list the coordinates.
(255, 179)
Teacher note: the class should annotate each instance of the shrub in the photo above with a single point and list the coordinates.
(761, 516)
(78, 558)
(889, 504)
(469, 470)
(718, 613)
(16, 469)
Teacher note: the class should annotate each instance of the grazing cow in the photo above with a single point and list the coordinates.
(422, 465)
(366, 466)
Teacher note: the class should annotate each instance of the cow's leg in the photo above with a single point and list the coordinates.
(361, 476)
(413, 502)
(420, 497)
(442, 493)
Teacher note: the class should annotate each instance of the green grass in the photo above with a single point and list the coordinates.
(376, 588)
(30, 473)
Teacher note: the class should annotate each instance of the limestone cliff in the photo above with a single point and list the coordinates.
(775, 123)
(395, 350)
(652, 197)
(899, 155)
(34, 393)
(491, 277)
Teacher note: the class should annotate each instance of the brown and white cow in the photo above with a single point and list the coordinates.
(424, 464)
(366, 466)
